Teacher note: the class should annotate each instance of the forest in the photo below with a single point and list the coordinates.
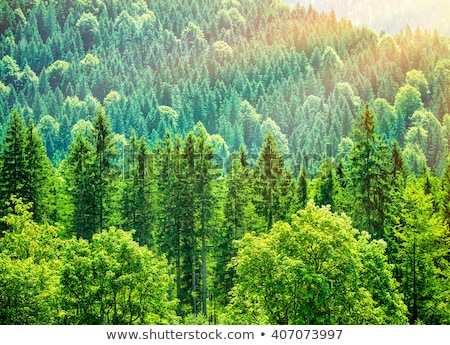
(220, 162)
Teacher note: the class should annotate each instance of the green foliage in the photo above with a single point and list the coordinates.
(418, 80)
(422, 258)
(9, 70)
(13, 174)
(303, 272)
(370, 177)
(28, 269)
(89, 29)
(47, 279)
(55, 73)
(114, 281)
(137, 192)
(407, 101)
(80, 172)
(268, 172)
(170, 73)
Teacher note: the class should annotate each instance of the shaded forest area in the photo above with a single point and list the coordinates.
(222, 162)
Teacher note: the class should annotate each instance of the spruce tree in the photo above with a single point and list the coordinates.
(136, 202)
(13, 165)
(370, 177)
(206, 171)
(240, 218)
(302, 188)
(105, 165)
(326, 185)
(188, 231)
(268, 170)
(39, 171)
(168, 155)
(80, 174)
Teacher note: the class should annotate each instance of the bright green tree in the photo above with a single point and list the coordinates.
(113, 280)
(39, 169)
(13, 172)
(29, 269)
(422, 259)
(316, 270)
(407, 101)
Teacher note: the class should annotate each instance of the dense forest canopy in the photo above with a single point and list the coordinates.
(193, 161)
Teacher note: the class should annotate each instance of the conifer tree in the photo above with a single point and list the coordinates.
(240, 218)
(422, 258)
(302, 188)
(136, 203)
(105, 165)
(80, 174)
(326, 185)
(189, 247)
(13, 165)
(39, 171)
(206, 171)
(268, 170)
(168, 154)
(370, 177)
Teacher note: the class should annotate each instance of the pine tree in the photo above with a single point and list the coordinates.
(189, 267)
(268, 170)
(240, 218)
(302, 188)
(39, 171)
(422, 258)
(105, 165)
(370, 177)
(326, 185)
(13, 165)
(168, 155)
(136, 203)
(80, 173)
(206, 171)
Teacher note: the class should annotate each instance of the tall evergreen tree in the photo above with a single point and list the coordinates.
(189, 247)
(105, 165)
(80, 175)
(422, 259)
(39, 170)
(268, 170)
(206, 171)
(370, 177)
(302, 188)
(168, 154)
(136, 202)
(240, 218)
(13, 165)
(326, 185)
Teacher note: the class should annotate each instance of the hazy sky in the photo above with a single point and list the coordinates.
(389, 15)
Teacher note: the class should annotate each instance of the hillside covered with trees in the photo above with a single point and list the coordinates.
(221, 162)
